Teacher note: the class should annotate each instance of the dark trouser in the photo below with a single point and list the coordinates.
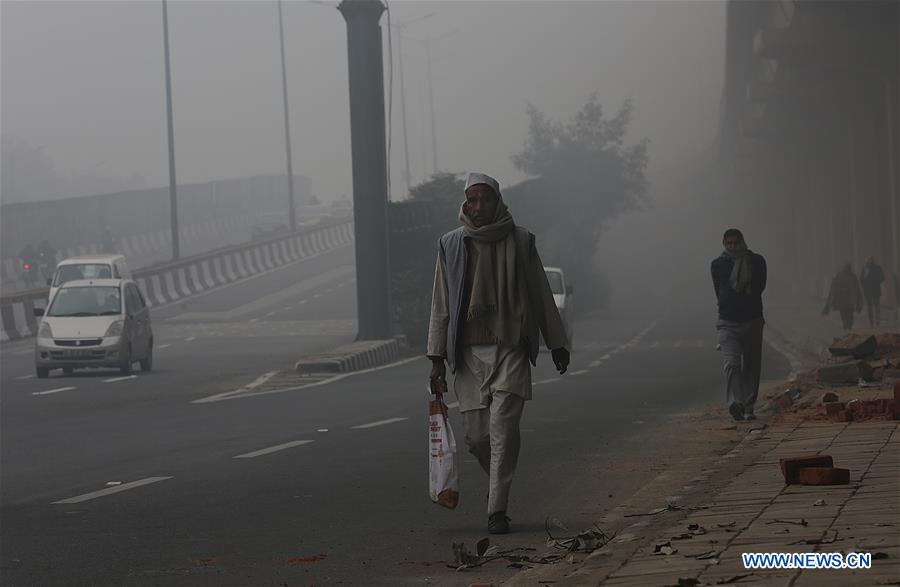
(846, 317)
(741, 344)
(873, 305)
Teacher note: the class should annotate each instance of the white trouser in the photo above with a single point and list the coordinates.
(494, 382)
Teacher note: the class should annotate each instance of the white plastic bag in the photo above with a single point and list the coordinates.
(443, 480)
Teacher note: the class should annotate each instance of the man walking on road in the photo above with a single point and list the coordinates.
(871, 278)
(490, 300)
(739, 278)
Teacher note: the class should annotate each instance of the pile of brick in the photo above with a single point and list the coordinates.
(861, 358)
(857, 410)
(813, 470)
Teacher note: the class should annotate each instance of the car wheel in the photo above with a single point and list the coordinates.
(42, 373)
(125, 367)
(147, 362)
(68, 370)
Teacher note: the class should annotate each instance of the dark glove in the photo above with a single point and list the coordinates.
(438, 376)
(560, 359)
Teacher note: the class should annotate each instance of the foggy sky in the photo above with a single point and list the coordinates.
(84, 82)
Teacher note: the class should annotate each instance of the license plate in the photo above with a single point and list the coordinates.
(79, 354)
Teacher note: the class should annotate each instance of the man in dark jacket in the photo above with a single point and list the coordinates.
(871, 278)
(844, 296)
(739, 278)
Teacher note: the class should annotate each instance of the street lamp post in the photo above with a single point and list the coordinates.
(173, 195)
(287, 126)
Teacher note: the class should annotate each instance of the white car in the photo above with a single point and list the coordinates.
(88, 267)
(562, 295)
(94, 323)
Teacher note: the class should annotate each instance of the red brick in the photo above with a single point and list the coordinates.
(832, 409)
(824, 476)
(783, 400)
(790, 467)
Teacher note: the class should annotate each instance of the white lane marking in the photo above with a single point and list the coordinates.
(378, 423)
(595, 363)
(241, 393)
(271, 449)
(190, 338)
(579, 372)
(49, 391)
(302, 302)
(543, 381)
(114, 379)
(606, 356)
(317, 296)
(655, 344)
(453, 405)
(252, 320)
(23, 377)
(322, 430)
(288, 308)
(163, 346)
(270, 314)
(260, 380)
(112, 490)
(329, 290)
(341, 284)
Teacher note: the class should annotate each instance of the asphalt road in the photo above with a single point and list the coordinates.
(110, 481)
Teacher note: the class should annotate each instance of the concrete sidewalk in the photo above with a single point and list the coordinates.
(757, 512)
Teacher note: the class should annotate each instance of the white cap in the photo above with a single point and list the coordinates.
(477, 178)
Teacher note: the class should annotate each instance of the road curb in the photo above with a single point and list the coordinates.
(355, 356)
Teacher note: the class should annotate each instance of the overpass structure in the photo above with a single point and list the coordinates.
(809, 134)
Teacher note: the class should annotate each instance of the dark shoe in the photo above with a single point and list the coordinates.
(498, 523)
(749, 416)
(737, 411)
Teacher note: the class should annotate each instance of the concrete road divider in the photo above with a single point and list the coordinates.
(355, 356)
(170, 282)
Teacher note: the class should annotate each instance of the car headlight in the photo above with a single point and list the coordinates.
(44, 331)
(115, 329)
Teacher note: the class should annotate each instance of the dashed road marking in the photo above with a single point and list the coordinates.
(302, 302)
(579, 372)
(49, 391)
(595, 363)
(543, 381)
(271, 449)
(655, 344)
(317, 296)
(378, 423)
(163, 346)
(125, 378)
(251, 320)
(288, 308)
(270, 314)
(112, 490)
(190, 339)
(23, 377)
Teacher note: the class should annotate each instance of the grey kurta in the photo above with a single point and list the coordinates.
(544, 315)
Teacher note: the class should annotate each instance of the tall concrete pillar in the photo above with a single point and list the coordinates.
(373, 276)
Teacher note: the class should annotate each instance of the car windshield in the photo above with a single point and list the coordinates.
(86, 301)
(555, 279)
(68, 273)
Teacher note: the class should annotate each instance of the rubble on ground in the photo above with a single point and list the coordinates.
(853, 385)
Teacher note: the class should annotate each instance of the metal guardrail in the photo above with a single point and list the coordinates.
(168, 282)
